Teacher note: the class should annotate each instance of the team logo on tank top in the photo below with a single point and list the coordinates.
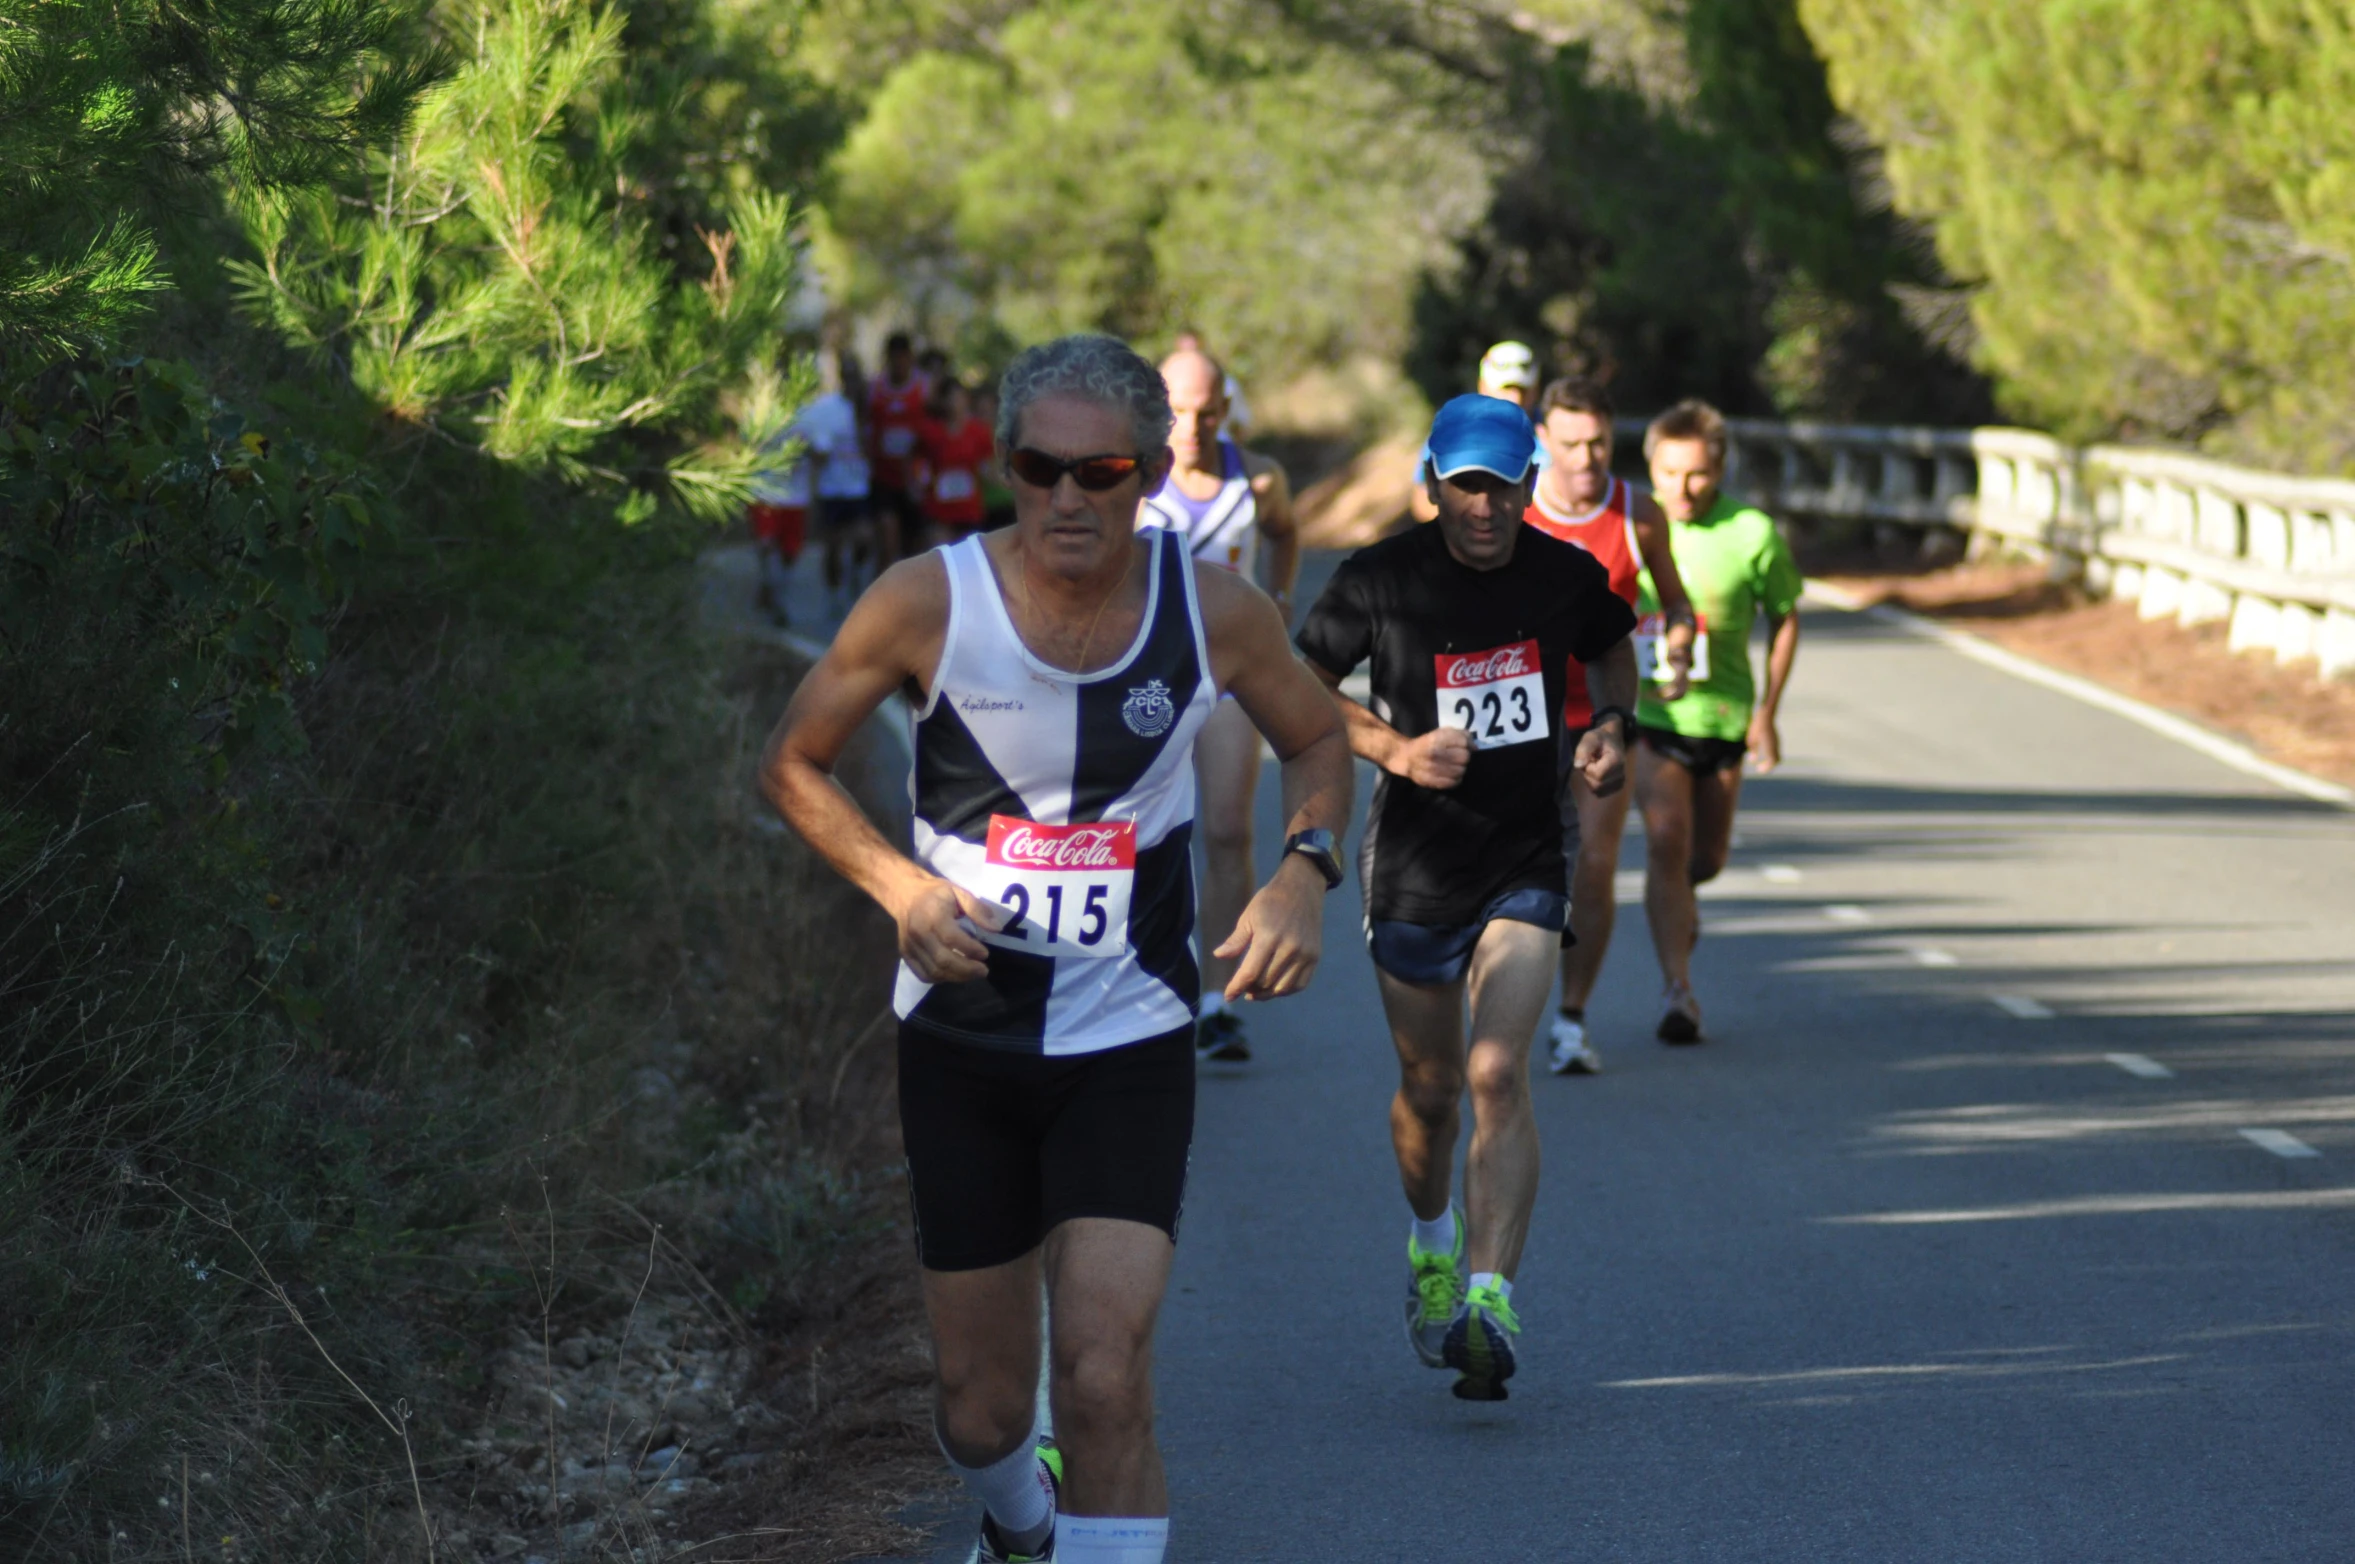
(1149, 711)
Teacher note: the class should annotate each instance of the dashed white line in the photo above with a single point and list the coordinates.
(1925, 957)
(1781, 874)
(1847, 912)
(2021, 1008)
(2142, 1065)
(2280, 1142)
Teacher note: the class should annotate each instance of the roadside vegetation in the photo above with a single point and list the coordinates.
(428, 1092)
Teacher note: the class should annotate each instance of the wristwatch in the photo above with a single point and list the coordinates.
(1317, 847)
(1626, 722)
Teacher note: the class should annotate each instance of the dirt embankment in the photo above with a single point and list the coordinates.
(2289, 714)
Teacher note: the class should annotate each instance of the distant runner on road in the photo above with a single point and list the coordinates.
(1225, 502)
(1688, 772)
(895, 425)
(1471, 625)
(1578, 501)
(1064, 668)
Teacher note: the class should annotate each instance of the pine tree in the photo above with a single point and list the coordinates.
(494, 280)
(2154, 201)
(111, 112)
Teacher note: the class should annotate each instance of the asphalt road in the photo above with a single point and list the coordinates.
(1950, 1244)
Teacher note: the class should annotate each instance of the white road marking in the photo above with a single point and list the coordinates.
(1933, 958)
(2280, 1142)
(1847, 912)
(2021, 1008)
(1780, 874)
(2141, 1064)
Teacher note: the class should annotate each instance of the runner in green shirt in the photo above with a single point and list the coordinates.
(1689, 761)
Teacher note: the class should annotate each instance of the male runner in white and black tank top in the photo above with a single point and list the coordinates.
(1062, 669)
(1472, 627)
(1226, 503)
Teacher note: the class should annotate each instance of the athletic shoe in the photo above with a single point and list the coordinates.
(1219, 1036)
(1480, 1344)
(1572, 1053)
(1434, 1292)
(991, 1548)
(1680, 1015)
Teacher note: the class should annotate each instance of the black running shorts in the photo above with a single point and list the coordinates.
(1696, 755)
(1002, 1146)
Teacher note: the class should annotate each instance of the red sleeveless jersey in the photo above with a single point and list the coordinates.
(1608, 533)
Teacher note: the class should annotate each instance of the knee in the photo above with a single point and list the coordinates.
(1431, 1093)
(1499, 1079)
(1105, 1385)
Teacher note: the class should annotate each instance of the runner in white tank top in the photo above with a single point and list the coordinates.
(1046, 1050)
(1224, 501)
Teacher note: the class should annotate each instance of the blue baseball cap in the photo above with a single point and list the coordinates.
(1481, 432)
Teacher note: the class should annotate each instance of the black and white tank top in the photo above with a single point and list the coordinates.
(1068, 800)
(1223, 530)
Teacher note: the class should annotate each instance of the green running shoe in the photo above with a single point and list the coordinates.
(1434, 1292)
(991, 1548)
(1479, 1344)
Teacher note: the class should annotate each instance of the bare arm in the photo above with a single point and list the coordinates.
(1601, 758)
(1676, 644)
(1280, 936)
(1279, 566)
(1782, 653)
(1436, 760)
(892, 636)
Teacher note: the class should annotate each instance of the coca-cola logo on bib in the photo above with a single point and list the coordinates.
(1457, 671)
(1026, 844)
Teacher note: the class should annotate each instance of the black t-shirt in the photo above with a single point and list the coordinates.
(1503, 643)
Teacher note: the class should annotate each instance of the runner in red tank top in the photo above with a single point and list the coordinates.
(1577, 500)
(895, 415)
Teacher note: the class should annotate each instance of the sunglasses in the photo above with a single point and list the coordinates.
(1092, 473)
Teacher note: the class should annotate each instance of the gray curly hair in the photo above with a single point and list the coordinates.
(1092, 368)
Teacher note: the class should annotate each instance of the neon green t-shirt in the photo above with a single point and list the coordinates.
(1734, 565)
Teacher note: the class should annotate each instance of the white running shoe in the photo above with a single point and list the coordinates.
(1572, 1053)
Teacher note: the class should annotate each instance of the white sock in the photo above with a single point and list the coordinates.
(1014, 1493)
(1110, 1539)
(1480, 1279)
(1213, 1003)
(1437, 1236)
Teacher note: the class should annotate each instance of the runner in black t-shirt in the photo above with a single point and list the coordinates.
(1472, 624)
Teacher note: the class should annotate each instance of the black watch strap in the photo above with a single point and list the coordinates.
(1626, 722)
(1318, 848)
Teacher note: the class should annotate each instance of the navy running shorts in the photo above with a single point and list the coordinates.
(1436, 957)
(1002, 1146)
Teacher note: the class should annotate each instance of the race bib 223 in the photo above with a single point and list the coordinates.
(1497, 696)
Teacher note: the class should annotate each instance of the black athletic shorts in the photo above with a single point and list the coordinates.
(1002, 1146)
(1695, 755)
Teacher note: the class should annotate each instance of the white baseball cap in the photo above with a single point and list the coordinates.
(1509, 364)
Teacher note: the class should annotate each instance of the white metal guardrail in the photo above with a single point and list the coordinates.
(2183, 537)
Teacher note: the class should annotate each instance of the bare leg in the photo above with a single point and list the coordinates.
(1512, 969)
(1594, 900)
(1105, 1279)
(1226, 763)
(1715, 794)
(985, 1351)
(1665, 790)
(1427, 1029)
